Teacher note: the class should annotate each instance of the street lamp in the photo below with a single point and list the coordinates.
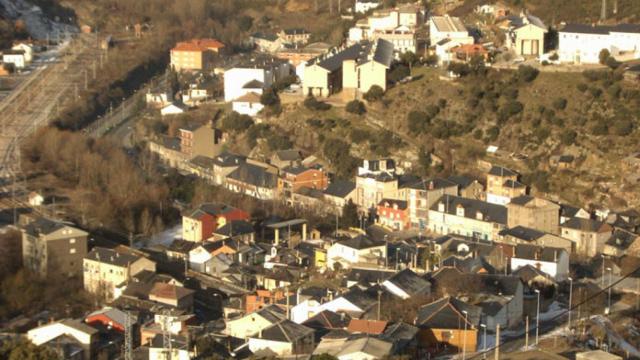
(609, 290)
(537, 316)
(570, 301)
(484, 341)
(464, 341)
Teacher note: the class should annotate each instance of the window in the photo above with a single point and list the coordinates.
(72, 241)
(72, 251)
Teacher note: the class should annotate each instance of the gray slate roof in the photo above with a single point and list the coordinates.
(254, 175)
(410, 283)
(382, 53)
(110, 256)
(361, 242)
(522, 233)
(285, 331)
(490, 212)
(447, 313)
(502, 171)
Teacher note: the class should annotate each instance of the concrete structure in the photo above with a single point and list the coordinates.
(172, 109)
(363, 6)
(503, 185)
(27, 49)
(256, 180)
(50, 247)
(358, 250)
(105, 269)
(201, 140)
(421, 195)
(589, 236)
(15, 57)
(534, 213)
(294, 36)
(552, 261)
(355, 68)
(582, 44)
(254, 75)
(468, 217)
(200, 224)
(525, 35)
(448, 28)
(284, 338)
(194, 54)
(524, 235)
(252, 323)
(82, 333)
(393, 214)
(248, 104)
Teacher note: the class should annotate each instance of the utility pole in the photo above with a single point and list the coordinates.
(603, 11)
(526, 334)
(86, 80)
(497, 353)
(379, 302)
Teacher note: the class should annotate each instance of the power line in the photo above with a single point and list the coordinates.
(570, 308)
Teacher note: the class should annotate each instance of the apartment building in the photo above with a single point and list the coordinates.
(195, 54)
(534, 213)
(503, 185)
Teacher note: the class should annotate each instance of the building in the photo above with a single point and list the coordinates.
(173, 108)
(172, 295)
(363, 6)
(15, 57)
(260, 182)
(420, 196)
(448, 322)
(582, 44)
(252, 323)
(448, 28)
(525, 235)
(283, 338)
(525, 35)
(467, 217)
(50, 247)
(358, 250)
(551, 261)
(106, 269)
(393, 214)
(248, 104)
(376, 180)
(622, 243)
(296, 177)
(84, 335)
(201, 140)
(403, 38)
(254, 75)
(294, 36)
(406, 284)
(195, 54)
(27, 50)
(200, 223)
(266, 42)
(534, 213)
(339, 193)
(503, 185)
(589, 236)
(355, 68)
(468, 187)
(224, 164)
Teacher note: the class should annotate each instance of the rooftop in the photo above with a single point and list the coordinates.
(111, 257)
(448, 24)
(472, 208)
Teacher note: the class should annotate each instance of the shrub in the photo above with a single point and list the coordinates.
(512, 108)
(356, 107)
(278, 142)
(623, 127)
(595, 92)
(359, 135)
(316, 123)
(599, 128)
(460, 69)
(375, 93)
(478, 134)
(399, 72)
(603, 56)
(614, 91)
(312, 103)
(236, 122)
(612, 63)
(417, 120)
(541, 133)
(554, 57)
(582, 87)
(560, 104)
(568, 137)
(269, 98)
(492, 133)
(527, 73)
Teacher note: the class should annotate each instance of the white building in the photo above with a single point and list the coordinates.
(172, 109)
(15, 57)
(248, 104)
(446, 27)
(552, 261)
(27, 49)
(582, 44)
(362, 6)
(358, 250)
(265, 70)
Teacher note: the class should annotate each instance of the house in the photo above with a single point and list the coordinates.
(582, 44)
(240, 231)
(525, 235)
(420, 196)
(224, 164)
(109, 317)
(589, 236)
(254, 180)
(466, 52)
(468, 217)
(534, 213)
(525, 35)
(448, 322)
(295, 178)
(200, 223)
(567, 212)
(448, 28)
(533, 278)
(50, 247)
(358, 250)
(266, 42)
(195, 54)
(503, 185)
(252, 323)
(35, 199)
(327, 321)
(27, 50)
(298, 56)
(354, 301)
(363, 6)
(355, 69)
(294, 36)
(393, 214)
(407, 284)
(105, 269)
(179, 348)
(172, 109)
(201, 140)
(597, 355)
(15, 57)
(376, 180)
(468, 187)
(363, 326)
(158, 99)
(84, 335)
(248, 104)
(552, 261)
(358, 348)
(339, 193)
(283, 338)
(622, 242)
(254, 75)
(403, 39)
(286, 158)
(173, 295)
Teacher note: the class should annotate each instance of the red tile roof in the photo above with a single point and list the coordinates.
(372, 327)
(198, 45)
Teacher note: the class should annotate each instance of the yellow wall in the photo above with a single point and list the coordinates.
(372, 73)
(349, 74)
(528, 33)
(316, 78)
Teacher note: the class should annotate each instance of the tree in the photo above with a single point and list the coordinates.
(25, 350)
(560, 103)
(568, 137)
(460, 69)
(612, 63)
(356, 107)
(312, 103)
(527, 73)
(623, 127)
(245, 22)
(350, 217)
(269, 98)
(417, 121)
(603, 56)
(424, 160)
(236, 122)
(375, 93)
(399, 72)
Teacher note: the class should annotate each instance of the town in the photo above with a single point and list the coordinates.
(310, 179)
